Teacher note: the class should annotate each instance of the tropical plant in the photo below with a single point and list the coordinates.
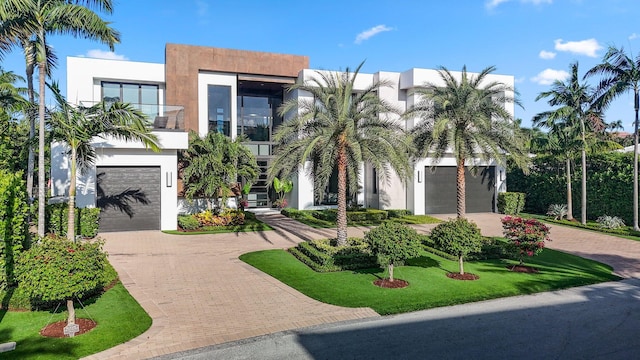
(339, 127)
(12, 140)
(610, 222)
(56, 269)
(35, 20)
(576, 117)
(393, 243)
(528, 236)
(282, 187)
(557, 211)
(76, 126)
(457, 237)
(14, 233)
(621, 74)
(467, 118)
(211, 166)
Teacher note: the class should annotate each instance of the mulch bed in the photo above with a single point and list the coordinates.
(465, 276)
(56, 330)
(395, 284)
(523, 269)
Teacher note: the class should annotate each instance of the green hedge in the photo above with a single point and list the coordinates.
(86, 220)
(609, 184)
(323, 256)
(511, 203)
(14, 212)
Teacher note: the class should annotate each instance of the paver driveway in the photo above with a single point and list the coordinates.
(198, 292)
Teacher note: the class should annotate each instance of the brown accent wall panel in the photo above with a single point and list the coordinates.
(184, 62)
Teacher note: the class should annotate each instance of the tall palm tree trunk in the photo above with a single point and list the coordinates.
(460, 189)
(41, 122)
(569, 195)
(71, 220)
(583, 199)
(635, 165)
(32, 132)
(341, 220)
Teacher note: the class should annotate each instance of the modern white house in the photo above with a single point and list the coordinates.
(236, 92)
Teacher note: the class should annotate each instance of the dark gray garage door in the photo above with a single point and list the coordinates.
(129, 198)
(440, 190)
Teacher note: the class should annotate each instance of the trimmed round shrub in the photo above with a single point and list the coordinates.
(393, 243)
(57, 269)
(457, 237)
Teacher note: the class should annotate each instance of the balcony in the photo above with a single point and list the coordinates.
(162, 117)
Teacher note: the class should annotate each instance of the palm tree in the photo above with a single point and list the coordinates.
(576, 115)
(77, 126)
(11, 103)
(211, 166)
(468, 118)
(621, 74)
(340, 128)
(37, 19)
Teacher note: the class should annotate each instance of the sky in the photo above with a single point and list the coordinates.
(533, 40)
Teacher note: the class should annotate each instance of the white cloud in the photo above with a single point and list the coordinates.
(633, 36)
(494, 3)
(101, 54)
(519, 80)
(547, 55)
(587, 47)
(371, 32)
(491, 4)
(548, 76)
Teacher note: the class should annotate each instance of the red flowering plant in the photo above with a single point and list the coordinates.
(528, 236)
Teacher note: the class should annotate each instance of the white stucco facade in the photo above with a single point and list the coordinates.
(84, 78)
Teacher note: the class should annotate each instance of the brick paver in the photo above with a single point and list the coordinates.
(198, 292)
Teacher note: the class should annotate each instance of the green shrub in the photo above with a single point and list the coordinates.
(56, 269)
(610, 222)
(457, 237)
(393, 243)
(87, 220)
(557, 211)
(511, 203)
(397, 213)
(13, 224)
(324, 256)
(188, 222)
(609, 184)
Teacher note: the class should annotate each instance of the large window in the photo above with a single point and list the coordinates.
(141, 96)
(219, 108)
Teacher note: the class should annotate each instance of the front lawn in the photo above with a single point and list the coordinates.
(429, 286)
(323, 219)
(120, 318)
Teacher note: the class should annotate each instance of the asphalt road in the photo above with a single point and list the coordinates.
(591, 322)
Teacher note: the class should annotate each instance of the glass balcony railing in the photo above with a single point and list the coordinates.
(162, 117)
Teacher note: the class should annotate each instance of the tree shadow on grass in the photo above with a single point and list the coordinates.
(423, 261)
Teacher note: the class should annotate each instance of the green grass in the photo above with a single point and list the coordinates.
(429, 286)
(248, 226)
(625, 232)
(119, 317)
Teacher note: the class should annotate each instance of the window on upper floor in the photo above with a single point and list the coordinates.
(142, 96)
(219, 108)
